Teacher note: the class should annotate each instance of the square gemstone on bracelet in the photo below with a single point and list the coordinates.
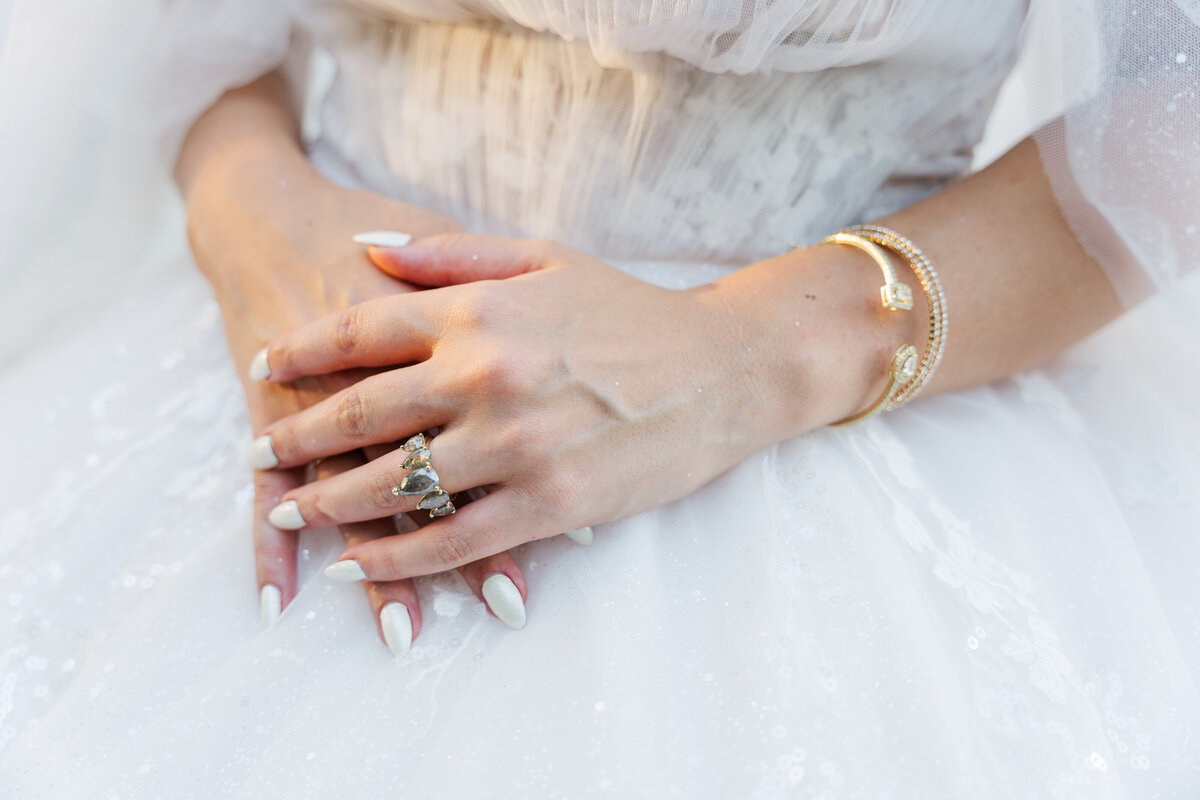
(897, 297)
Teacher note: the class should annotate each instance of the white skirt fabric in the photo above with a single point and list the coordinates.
(989, 594)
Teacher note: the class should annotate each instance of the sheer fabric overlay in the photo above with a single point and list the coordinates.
(1125, 158)
(988, 595)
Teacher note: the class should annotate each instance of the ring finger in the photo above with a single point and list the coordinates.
(384, 487)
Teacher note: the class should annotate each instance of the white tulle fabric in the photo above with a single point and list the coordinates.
(1125, 158)
(989, 594)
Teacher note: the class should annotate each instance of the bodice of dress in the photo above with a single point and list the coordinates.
(715, 132)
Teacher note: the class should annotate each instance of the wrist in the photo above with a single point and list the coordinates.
(818, 343)
(244, 192)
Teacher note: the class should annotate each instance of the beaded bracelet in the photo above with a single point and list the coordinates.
(905, 377)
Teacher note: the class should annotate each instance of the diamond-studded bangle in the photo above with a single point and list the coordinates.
(895, 296)
(939, 320)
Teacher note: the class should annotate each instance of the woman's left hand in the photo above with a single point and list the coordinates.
(573, 392)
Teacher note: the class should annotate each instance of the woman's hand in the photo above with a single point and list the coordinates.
(275, 240)
(575, 393)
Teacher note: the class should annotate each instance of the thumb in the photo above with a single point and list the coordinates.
(455, 258)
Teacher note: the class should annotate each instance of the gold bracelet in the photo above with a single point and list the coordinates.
(905, 377)
(895, 296)
(939, 320)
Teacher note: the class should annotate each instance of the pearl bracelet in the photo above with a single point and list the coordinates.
(905, 377)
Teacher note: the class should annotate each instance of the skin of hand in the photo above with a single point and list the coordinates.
(274, 238)
(578, 394)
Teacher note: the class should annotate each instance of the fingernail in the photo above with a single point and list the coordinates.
(397, 627)
(286, 516)
(345, 571)
(583, 536)
(383, 239)
(504, 600)
(261, 454)
(260, 370)
(270, 603)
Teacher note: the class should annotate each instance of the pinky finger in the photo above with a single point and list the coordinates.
(496, 580)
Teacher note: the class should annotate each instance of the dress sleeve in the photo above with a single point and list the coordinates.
(1124, 159)
(95, 98)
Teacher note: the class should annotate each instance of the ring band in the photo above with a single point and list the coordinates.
(423, 480)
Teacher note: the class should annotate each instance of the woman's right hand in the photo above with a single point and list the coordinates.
(274, 238)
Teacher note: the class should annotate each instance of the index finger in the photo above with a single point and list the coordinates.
(382, 332)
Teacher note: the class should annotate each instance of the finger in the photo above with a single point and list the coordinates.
(455, 258)
(394, 604)
(382, 408)
(496, 580)
(386, 487)
(385, 331)
(274, 549)
(499, 583)
(483, 528)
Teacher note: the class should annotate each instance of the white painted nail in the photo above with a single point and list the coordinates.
(397, 627)
(286, 516)
(583, 536)
(383, 239)
(260, 370)
(270, 604)
(345, 571)
(504, 600)
(261, 454)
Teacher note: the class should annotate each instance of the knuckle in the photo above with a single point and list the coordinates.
(562, 492)
(351, 414)
(486, 305)
(452, 547)
(502, 373)
(348, 329)
(514, 442)
(379, 488)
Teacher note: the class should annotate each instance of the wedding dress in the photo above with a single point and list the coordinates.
(987, 594)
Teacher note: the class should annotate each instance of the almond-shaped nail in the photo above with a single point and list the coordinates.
(261, 454)
(270, 604)
(504, 599)
(583, 536)
(260, 370)
(397, 628)
(286, 516)
(346, 570)
(383, 239)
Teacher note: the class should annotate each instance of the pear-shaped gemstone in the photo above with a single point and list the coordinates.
(419, 481)
(418, 459)
(444, 511)
(435, 499)
(415, 443)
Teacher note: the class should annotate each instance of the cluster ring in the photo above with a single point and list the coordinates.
(423, 480)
